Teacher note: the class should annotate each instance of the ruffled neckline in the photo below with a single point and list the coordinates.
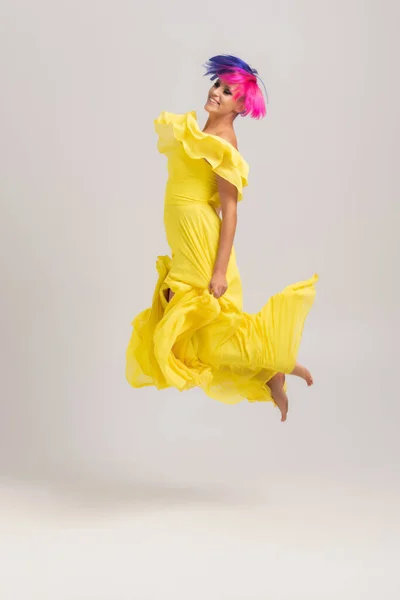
(193, 114)
(224, 159)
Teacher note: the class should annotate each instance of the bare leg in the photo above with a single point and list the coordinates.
(304, 373)
(278, 394)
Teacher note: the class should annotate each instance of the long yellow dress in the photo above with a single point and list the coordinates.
(196, 339)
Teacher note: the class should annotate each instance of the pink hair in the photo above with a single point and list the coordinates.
(235, 72)
(247, 88)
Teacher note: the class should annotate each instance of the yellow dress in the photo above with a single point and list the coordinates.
(196, 339)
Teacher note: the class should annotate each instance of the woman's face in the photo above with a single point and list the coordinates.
(220, 99)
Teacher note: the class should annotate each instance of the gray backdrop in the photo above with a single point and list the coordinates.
(82, 191)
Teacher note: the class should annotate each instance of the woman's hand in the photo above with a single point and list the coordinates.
(218, 284)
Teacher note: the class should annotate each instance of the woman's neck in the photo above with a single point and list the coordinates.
(215, 124)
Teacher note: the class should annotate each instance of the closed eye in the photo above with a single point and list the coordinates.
(227, 91)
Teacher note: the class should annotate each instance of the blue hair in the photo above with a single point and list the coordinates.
(225, 63)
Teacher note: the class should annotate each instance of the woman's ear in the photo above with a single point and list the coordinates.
(240, 105)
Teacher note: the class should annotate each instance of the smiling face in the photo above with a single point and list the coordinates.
(221, 99)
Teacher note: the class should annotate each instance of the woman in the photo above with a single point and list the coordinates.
(195, 332)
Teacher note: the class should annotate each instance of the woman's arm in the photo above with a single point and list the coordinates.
(228, 196)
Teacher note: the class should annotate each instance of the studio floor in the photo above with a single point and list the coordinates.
(314, 541)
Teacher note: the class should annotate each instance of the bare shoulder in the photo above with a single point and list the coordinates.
(229, 136)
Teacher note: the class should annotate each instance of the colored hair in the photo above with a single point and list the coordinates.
(237, 73)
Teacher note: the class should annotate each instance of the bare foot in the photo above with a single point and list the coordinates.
(308, 377)
(304, 373)
(278, 394)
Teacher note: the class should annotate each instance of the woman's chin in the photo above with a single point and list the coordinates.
(210, 107)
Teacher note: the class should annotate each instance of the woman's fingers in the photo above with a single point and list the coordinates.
(217, 292)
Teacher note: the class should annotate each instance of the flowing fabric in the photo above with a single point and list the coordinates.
(197, 339)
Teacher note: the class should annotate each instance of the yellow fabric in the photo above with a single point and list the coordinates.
(196, 339)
